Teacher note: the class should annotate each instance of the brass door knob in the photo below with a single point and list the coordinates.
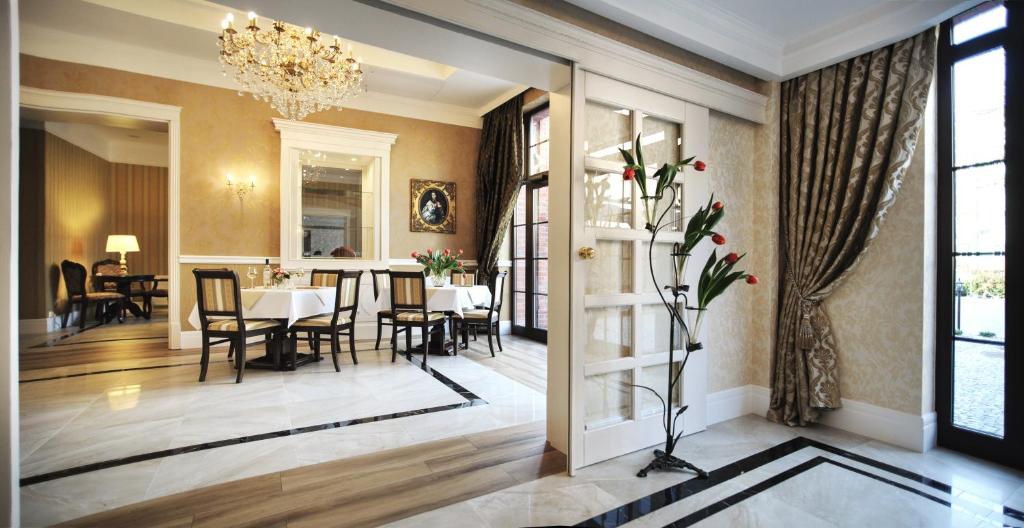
(587, 253)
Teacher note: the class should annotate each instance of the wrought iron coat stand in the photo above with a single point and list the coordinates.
(664, 459)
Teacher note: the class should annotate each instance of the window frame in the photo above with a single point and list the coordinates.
(1006, 450)
(530, 183)
(297, 137)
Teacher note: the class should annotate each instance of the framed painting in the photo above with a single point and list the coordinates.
(432, 206)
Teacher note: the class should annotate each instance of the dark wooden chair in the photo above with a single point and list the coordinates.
(105, 267)
(78, 295)
(384, 317)
(335, 324)
(464, 278)
(409, 306)
(488, 318)
(220, 314)
(150, 291)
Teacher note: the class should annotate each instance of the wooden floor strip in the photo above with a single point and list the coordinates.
(367, 490)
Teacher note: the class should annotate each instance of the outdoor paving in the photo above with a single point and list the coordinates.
(978, 387)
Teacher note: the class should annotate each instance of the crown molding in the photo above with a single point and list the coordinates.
(71, 47)
(593, 52)
(706, 28)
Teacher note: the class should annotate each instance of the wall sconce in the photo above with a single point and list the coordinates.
(241, 189)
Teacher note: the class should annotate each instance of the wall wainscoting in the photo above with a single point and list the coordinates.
(917, 433)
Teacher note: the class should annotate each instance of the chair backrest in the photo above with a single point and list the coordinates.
(346, 290)
(324, 278)
(106, 267)
(74, 278)
(409, 292)
(466, 278)
(497, 286)
(218, 295)
(378, 277)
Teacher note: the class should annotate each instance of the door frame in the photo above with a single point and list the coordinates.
(85, 103)
(621, 438)
(1007, 450)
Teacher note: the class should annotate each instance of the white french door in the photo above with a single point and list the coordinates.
(620, 329)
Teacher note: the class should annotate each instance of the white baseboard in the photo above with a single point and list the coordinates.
(35, 326)
(917, 433)
(505, 327)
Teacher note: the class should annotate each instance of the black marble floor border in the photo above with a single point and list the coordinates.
(472, 400)
(111, 371)
(677, 492)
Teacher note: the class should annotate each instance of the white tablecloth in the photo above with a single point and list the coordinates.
(271, 303)
(445, 299)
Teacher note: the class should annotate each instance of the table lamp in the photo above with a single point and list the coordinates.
(122, 244)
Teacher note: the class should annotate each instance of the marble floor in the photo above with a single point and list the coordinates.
(95, 437)
(762, 474)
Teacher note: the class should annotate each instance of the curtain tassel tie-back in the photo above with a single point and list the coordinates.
(805, 338)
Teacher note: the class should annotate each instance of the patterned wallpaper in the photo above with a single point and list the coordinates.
(879, 316)
(743, 167)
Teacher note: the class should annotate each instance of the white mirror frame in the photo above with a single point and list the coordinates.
(297, 136)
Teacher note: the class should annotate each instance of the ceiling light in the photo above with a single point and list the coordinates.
(290, 67)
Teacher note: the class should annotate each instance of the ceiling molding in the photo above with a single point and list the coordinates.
(867, 31)
(71, 47)
(710, 29)
(593, 52)
(501, 99)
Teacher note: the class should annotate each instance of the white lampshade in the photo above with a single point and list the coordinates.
(122, 243)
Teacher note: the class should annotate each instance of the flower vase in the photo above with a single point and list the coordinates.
(693, 332)
(437, 280)
(650, 210)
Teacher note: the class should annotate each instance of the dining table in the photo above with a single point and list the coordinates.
(123, 283)
(450, 299)
(285, 305)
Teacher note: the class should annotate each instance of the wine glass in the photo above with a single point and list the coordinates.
(300, 273)
(251, 273)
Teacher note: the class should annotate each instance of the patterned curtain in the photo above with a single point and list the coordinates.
(847, 135)
(499, 171)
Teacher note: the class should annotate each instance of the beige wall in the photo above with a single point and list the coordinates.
(879, 316)
(222, 132)
(78, 214)
(74, 200)
(743, 170)
(139, 207)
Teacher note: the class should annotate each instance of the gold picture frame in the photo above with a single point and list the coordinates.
(432, 206)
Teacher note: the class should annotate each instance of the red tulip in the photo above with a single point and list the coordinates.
(717, 206)
(628, 174)
(415, 255)
(460, 252)
(430, 251)
(699, 166)
(718, 239)
(751, 279)
(447, 252)
(731, 258)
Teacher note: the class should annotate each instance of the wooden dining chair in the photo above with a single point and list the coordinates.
(409, 305)
(384, 317)
(464, 278)
(488, 319)
(220, 314)
(78, 295)
(341, 320)
(151, 291)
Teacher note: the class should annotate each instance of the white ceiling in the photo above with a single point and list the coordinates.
(136, 146)
(178, 39)
(777, 39)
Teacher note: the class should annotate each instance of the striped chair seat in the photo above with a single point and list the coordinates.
(231, 325)
(98, 296)
(320, 321)
(418, 316)
(478, 315)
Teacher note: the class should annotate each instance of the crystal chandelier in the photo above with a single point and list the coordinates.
(289, 67)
